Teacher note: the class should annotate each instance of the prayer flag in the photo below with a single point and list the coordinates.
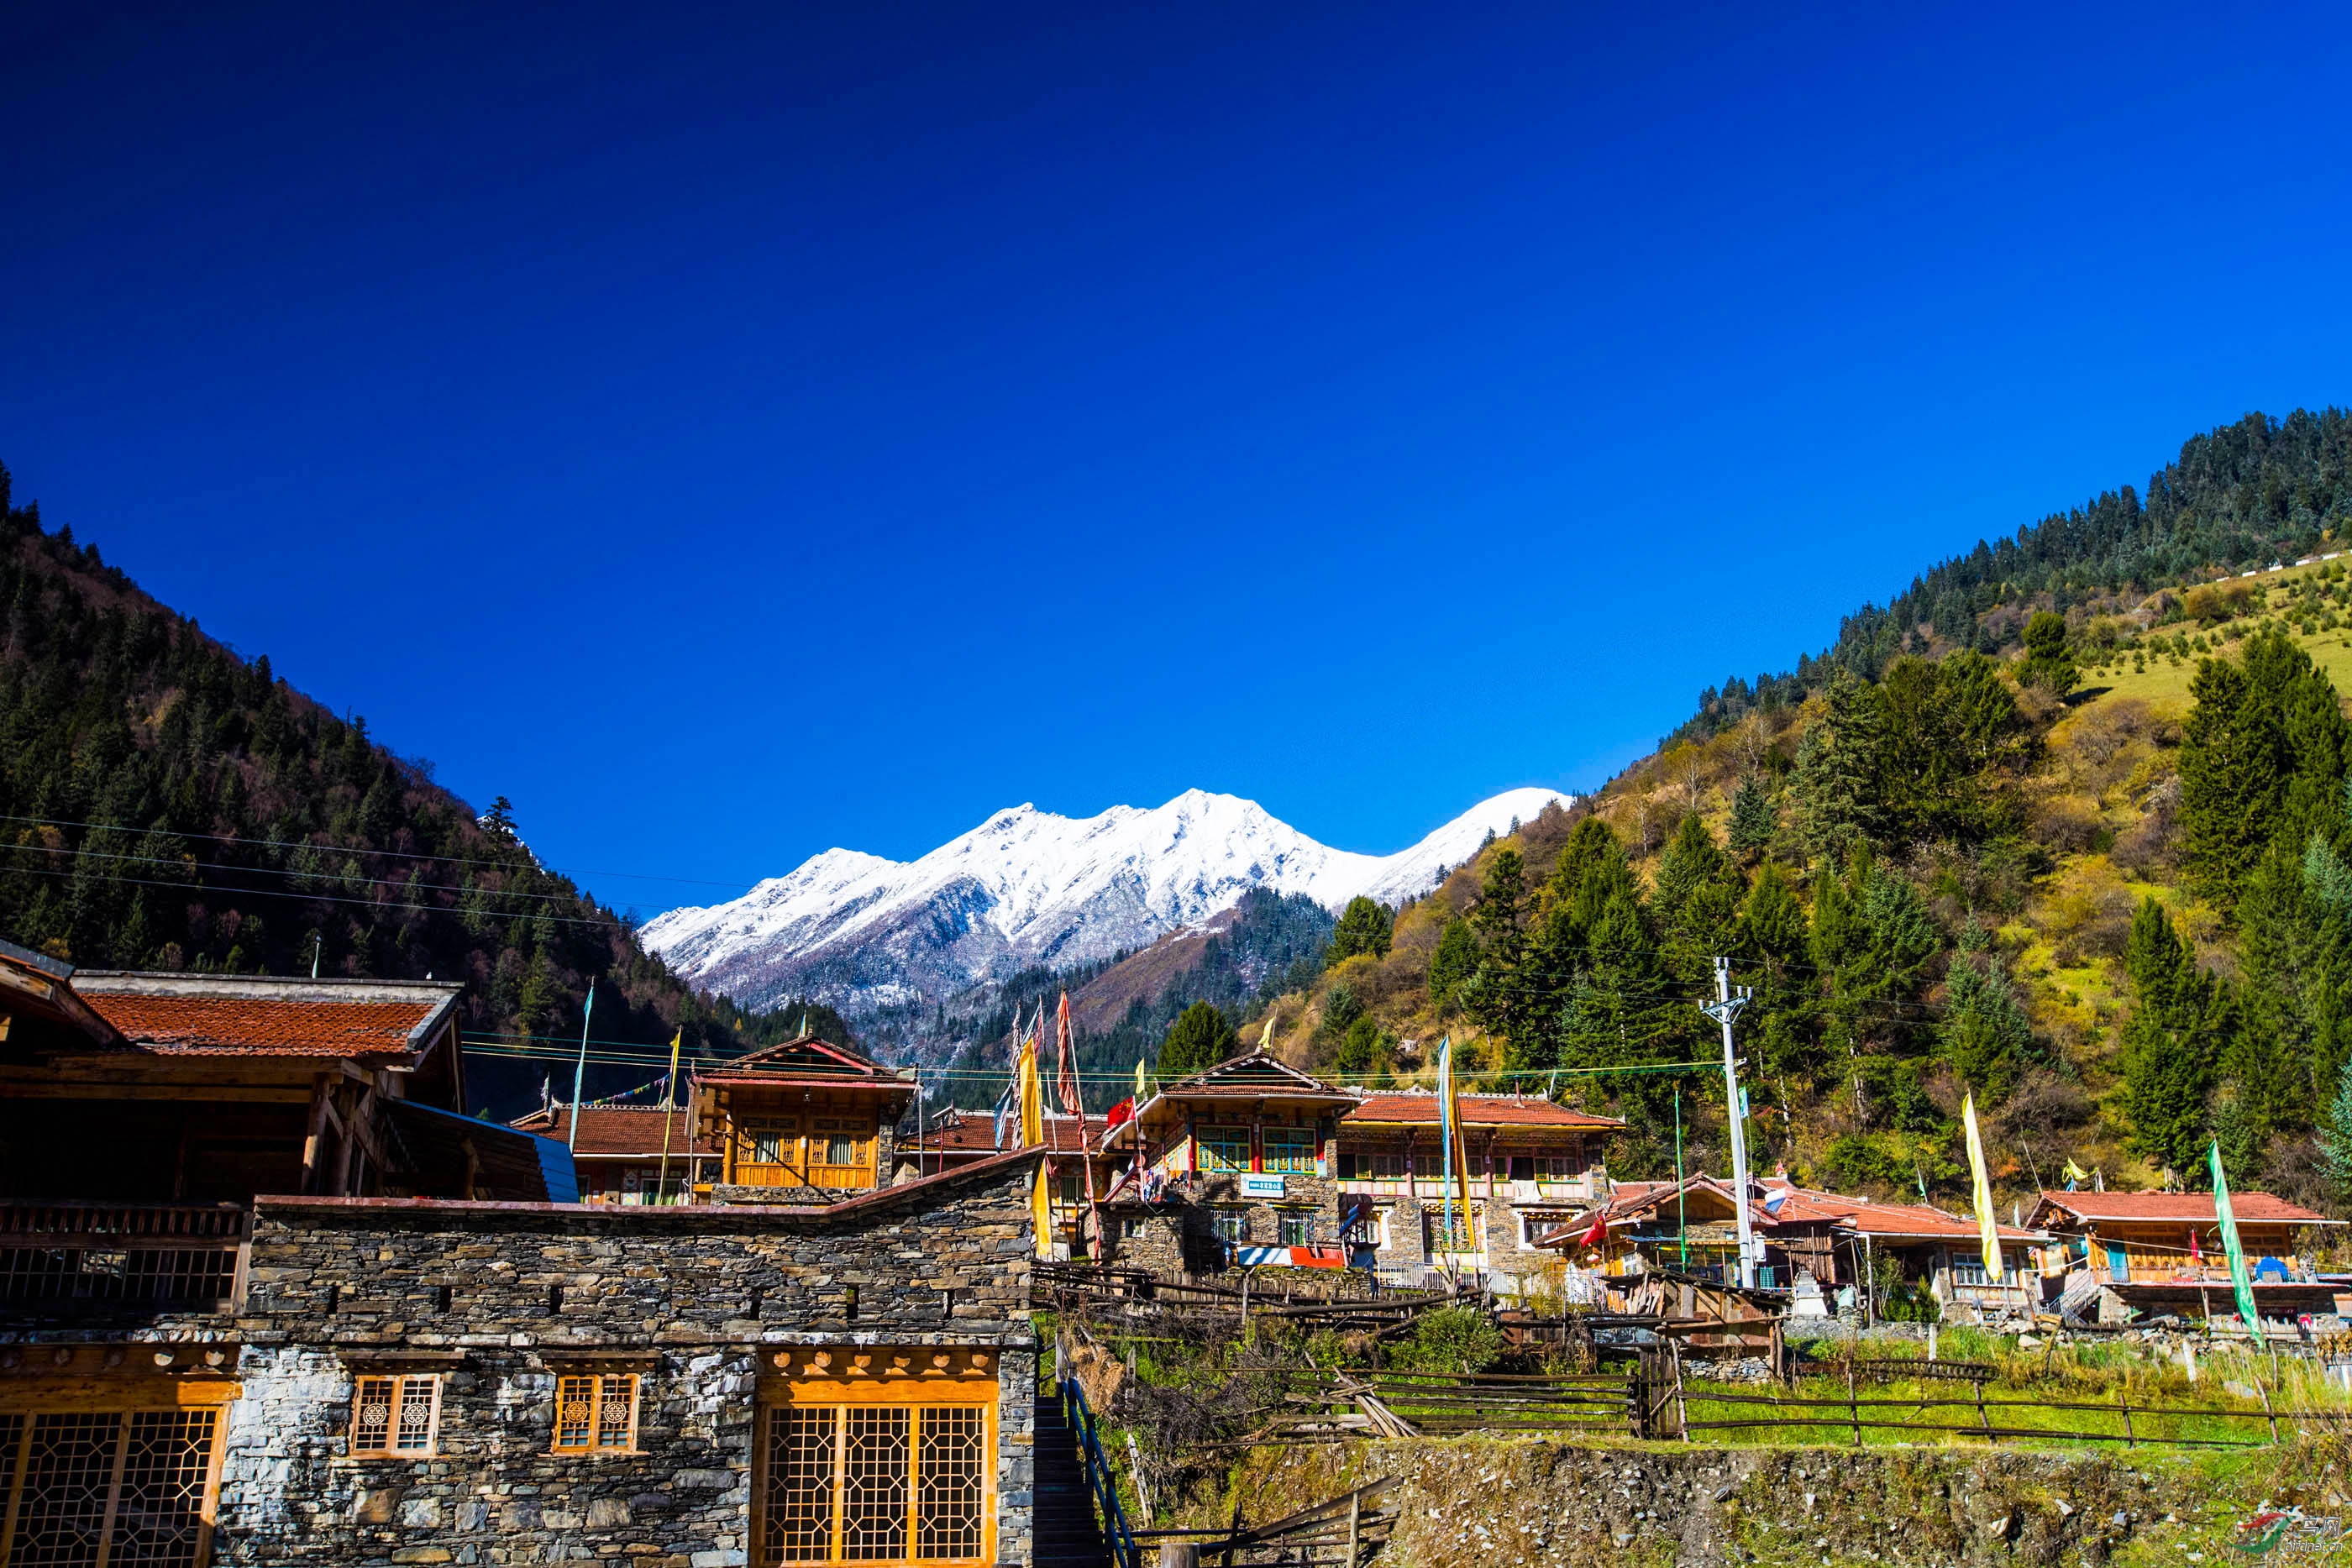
(1988, 1227)
(1041, 1207)
(1066, 1074)
(1032, 1095)
(2239, 1279)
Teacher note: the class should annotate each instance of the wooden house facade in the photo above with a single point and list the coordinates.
(2146, 1254)
(1232, 1165)
(1533, 1165)
(804, 1121)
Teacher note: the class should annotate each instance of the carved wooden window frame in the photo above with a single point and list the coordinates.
(402, 1390)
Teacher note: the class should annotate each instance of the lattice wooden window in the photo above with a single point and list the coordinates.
(874, 1483)
(107, 1488)
(596, 1412)
(397, 1416)
(837, 1142)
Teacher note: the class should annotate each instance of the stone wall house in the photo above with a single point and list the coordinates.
(1232, 1165)
(1532, 1164)
(408, 1380)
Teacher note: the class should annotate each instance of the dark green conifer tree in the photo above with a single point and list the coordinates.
(1366, 926)
(1755, 818)
(2168, 1045)
(1198, 1039)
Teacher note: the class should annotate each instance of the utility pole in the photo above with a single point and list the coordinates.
(1723, 1009)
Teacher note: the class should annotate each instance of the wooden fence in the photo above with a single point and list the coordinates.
(1343, 1531)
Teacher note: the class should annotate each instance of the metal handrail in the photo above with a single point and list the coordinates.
(1105, 1486)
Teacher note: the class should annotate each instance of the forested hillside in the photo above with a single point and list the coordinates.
(167, 803)
(1267, 943)
(2065, 828)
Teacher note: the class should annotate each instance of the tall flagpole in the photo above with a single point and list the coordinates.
(580, 1073)
(670, 1098)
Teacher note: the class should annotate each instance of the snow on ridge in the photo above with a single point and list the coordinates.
(1025, 885)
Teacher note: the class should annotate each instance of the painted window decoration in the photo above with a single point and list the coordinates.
(1225, 1151)
(1290, 1151)
(397, 1417)
(1230, 1224)
(118, 1487)
(1463, 1237)
(595, 1413)
(873, 1483)
(1295, 1228)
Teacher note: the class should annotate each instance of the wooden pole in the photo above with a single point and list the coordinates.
(2131, 1439)
(1355, 1509)
(1853, 1406)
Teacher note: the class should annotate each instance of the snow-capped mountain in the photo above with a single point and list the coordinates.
(1028, 887)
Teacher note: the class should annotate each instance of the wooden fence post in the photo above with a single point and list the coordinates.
(1354, 1507)
(2267, 1411)
(1853, 1408)
(2122, 1400)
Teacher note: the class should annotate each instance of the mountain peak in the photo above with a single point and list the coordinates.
(1029, 887)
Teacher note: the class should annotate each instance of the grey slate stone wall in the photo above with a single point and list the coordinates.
(501, 1298)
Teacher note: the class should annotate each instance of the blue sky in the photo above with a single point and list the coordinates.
(731, 432)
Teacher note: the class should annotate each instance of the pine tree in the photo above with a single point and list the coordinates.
(1366, 926)
(1198, 1039)
(2167, 1054)
(2048, 661)
(2335, 1136)
(1455, 959)
(1983, 1032)
(1838, 768)
(1755, 818)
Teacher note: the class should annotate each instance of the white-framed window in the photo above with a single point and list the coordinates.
(395, 1417)
(1230, 1224)
(1295, 1228)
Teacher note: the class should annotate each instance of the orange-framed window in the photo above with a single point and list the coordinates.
(116, 1485)
(596, 1412)
(874, 1482)
(396, 1418)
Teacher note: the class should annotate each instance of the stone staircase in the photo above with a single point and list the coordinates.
(1068, 1534)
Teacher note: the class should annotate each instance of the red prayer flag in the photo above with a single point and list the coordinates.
(1065, 1074)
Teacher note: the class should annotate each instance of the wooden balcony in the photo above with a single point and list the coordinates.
(70, 1257)
(842, 1178)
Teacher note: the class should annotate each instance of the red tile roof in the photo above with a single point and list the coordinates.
(974, 1133)
(804, 1057)
(2181, 1207)
(236, 1015)
(621, 1130)
(1478, 1111)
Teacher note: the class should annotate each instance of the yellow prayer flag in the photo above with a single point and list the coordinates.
(1987, 1226)
(1041, 1209)
(1032, 1097)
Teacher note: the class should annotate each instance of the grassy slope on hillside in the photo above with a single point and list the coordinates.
(2096, 807)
